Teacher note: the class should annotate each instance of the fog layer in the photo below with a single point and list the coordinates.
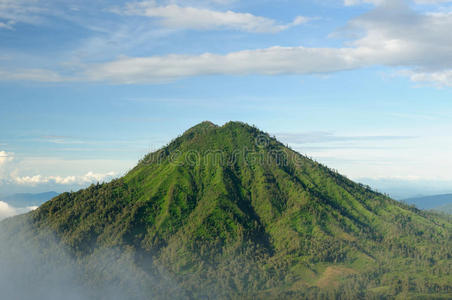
(34, 265)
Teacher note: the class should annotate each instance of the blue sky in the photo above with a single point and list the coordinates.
(88, 87)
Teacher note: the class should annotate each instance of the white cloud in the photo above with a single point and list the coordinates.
(25, 173)
(401, 37)
(356, 2)
(328, 137)
(41, 75)
(185, 17)
(5, 157)
(392, 35)
(20, 11)
(270, 61)
(7, 210)
(6, 25)
(388, 2)
(439, 79)
(63, 140)
(89, 177)
(432, 1)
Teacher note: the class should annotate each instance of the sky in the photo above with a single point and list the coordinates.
(87, 88)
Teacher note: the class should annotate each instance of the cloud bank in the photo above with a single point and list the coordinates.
(10, 169)
(89, 177)
(394, 34)
(7, 210)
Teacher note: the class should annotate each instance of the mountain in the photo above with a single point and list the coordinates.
(27, 199)
(447, 208)
(440, 203)
(229, 212)
(430, 202)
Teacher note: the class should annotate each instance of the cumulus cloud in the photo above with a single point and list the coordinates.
(89, 177)
(186, 17)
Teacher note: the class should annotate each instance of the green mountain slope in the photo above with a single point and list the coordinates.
(229, 212)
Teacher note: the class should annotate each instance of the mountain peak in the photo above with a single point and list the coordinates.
(209, 136)
(206, 125)
(202, 126)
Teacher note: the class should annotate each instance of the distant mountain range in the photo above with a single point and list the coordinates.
(228, 212)
(431, 202)
(444, 209)
(28, 199)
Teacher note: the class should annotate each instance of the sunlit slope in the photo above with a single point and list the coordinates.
(230, 209)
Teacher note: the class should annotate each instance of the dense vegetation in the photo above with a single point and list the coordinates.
(229, 212)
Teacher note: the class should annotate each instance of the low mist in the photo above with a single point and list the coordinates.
(34, 265)
(7, 210)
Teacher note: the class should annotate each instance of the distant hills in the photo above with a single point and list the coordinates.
(28, 199)
(229, 212)
(430, 202)
(444, 209)
(17, 204)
